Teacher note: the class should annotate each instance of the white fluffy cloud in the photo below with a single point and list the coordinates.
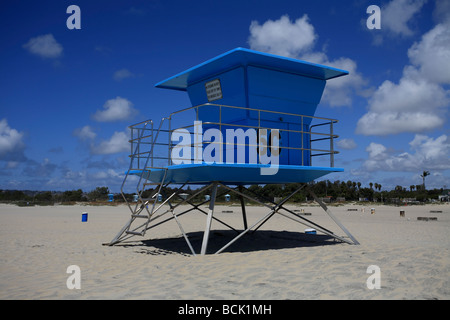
(85, 133)
(11, 142)
(283, 37)
(420, 100)
(115, 110)
(117, 143)
(427, 154)
(413, 105)
(296, 39)
(346, 144)
(397, 14)
(44, 46)
(432, 54)
(339, 92)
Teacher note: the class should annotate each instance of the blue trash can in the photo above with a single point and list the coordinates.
(84, 217)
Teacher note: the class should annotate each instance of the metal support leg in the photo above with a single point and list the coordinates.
(117, 237)
(324, 207)
(280, 205)
(181, 228)
(308, 223)
(196, 207)
(244, 232)
(261, 221)
(209, 219)
(184, 233)
(244, 215)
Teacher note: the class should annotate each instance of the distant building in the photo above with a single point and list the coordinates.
(445, 196)
(184, 195)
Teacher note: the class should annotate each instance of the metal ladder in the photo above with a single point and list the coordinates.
(141, 210)
(144, 204)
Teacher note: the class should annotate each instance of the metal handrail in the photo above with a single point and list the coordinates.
(250, 109)
(149, 141)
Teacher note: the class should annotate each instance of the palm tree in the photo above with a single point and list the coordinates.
(423, 175)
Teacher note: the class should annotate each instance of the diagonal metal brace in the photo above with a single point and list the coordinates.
(332, 216)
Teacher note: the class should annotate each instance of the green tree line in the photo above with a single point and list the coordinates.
(334, 190)
(48, 197)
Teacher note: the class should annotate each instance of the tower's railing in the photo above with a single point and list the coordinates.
(302, 137)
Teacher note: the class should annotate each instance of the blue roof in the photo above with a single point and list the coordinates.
(246, 57)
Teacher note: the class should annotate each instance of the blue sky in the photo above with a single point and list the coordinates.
(67, 96)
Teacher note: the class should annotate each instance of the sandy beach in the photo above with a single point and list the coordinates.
(277, 262)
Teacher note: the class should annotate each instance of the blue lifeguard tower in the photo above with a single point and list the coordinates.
(251, 122)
